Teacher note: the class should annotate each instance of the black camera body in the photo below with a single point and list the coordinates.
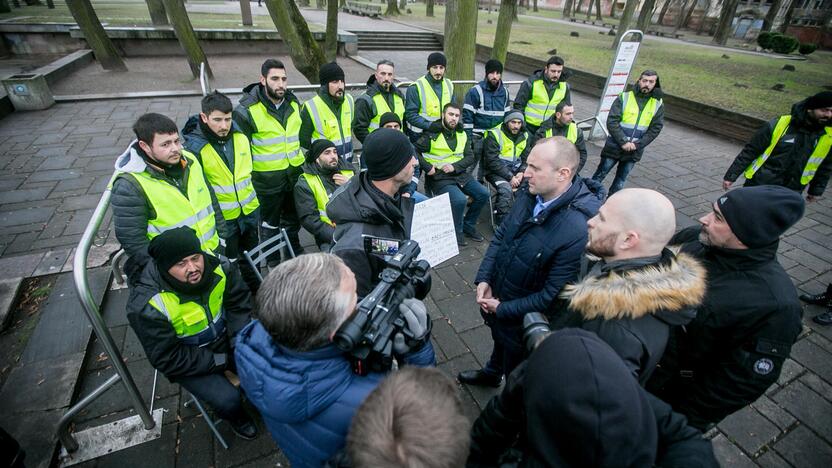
(368, 334)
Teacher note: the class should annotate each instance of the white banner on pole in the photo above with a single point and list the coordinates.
(622, 65)
(433, 229)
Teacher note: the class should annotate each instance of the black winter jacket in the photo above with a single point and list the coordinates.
(358, 208)
(439, 179)
(131, 210)
(612, 147)
(632, 305)
(532, 257)
(307, 206)
(572, 404)
(561, 130)
(743, 332)
(167, 353)
(788, 158)
(364, 106)
(495, 166)
(271, 182)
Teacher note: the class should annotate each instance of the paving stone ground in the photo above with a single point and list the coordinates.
(55, 163)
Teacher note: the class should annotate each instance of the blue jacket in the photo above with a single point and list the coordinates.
(532, 257)
(307, 399)
(484, 107)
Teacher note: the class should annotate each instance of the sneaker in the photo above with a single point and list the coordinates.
(479, 378)
(244, 428)
(824, 318)
(817, 299)
(474, 235)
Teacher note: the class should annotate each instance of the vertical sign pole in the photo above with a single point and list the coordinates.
(622, 65)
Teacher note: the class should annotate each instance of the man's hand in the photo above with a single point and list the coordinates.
(340, 179)
(415, 314)
(489, 306)
(432, 170)
(726, 184)
(629, 146)
(485, 299)
(448, 168)
(483, 291)
(406, 194)
(516, 180)
(812, 198)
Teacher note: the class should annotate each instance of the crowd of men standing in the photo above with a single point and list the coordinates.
(672, 339)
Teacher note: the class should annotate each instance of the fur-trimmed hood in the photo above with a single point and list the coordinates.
(668, 289)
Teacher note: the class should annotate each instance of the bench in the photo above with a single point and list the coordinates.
(362, 9)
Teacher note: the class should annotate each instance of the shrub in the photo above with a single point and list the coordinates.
(764, 39)
(807, 48)
(784, 44)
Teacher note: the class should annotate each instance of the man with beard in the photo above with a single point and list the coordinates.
(157, 187)
(269, 115)
(791, 150)
(322, 174)
(485, 105)
(635, 120)
(445, 155)
(382, 96)
(639, 289)
(186, 311)
(534, 254)
(328, 115)
(734, 349)
(427, 96)
(505, 149)
(225, 155)
(562, 124)
(540, 94)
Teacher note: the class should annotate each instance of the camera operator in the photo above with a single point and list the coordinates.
(370, 204)
(301, 383)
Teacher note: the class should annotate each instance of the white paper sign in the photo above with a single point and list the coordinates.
(433, 229)
(616, 81)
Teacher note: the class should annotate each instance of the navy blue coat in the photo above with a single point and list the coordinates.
(532, 257)
(307, 399)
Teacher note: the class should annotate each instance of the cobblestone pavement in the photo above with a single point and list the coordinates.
(56, 163)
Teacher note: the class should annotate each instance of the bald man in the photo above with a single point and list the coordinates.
(638, 289)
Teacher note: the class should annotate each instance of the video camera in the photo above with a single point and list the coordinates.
(535, 329)
(368, 334)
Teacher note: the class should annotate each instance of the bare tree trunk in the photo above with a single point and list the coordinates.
(567, 8)
(701, 25)
(770, 15)
(787, 18)
(103, 48)
(306, 54)
(460, 47)
(645, 15)
(508, 8)
(535, 6)
(589, 8)
(689, 14)
(429, 8)
(158, 16)
(402, 5)
(726, 17)
(392, 8)
(626, 19)
(320, 4)
(245, 13)
(187, 37)
(663, 12)
(598, 10)
(681, 16)
(5, 7)
(612, 9)
(331, 38)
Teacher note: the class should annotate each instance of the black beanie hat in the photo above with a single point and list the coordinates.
(493, 65)
(171, 246)
(386, 152)
(819, 100)
(388, 117)
(759, 215)
(330, 72)
(316, 148)
(437, 58)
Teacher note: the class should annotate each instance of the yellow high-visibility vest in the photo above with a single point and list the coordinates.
(820, 152)
(273, 147)
(319, 192)
(509, 150)
(540, 107)
(190, 318)
(430, 105)
(380, 108)
(441, 153)
(571, 132)
(329, 126)
(636, 120)
(235, 192)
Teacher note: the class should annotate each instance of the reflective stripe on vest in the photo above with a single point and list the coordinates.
(540, 107)
(571, 132)
(321, 195)
(190, 318)
(430, 105)
(274, 147)
(508, 149)
(820, 152)
(380, 107)
(441, 154)
(235, 192)
(173, 209)
(331, 127)
(633, 118)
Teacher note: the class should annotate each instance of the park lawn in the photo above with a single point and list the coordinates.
(688, 71)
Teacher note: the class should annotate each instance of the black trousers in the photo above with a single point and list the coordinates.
(218, 393)
(277, 210)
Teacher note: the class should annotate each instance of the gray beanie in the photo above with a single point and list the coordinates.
(514, 114)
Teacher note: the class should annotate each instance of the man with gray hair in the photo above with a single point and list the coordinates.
(535, 252)
(302, 384)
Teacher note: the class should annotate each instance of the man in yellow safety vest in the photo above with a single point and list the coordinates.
(427, 96)
(323, 173)
(562, 123)
(505, 149)
(540, 94)
(328, 115)
(791, 150)
(382, 96)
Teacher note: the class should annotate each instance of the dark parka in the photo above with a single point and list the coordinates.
(132, 210)
(167, 353)
(532, 257)
(788, 158)
(525, 91)
(358, 208)
(439, 179)
(561, 130)
(618, 136)
(632, 305)
(495, 166)
(271, 182)
(365, 107)
(482, 97)
(307, 206)
(572, 403)
(734, 349)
